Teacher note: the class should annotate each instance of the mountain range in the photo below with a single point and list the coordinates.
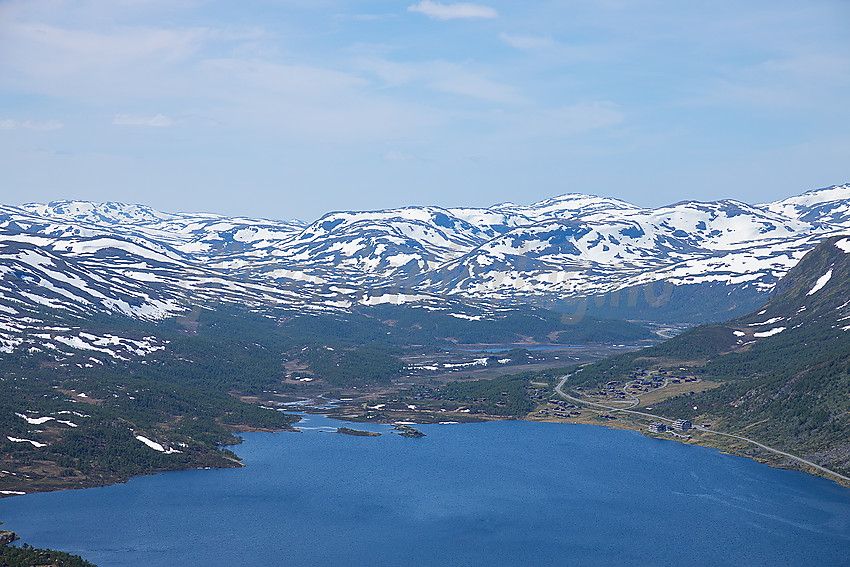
(130, 338)
(130, 259)
(687, 262)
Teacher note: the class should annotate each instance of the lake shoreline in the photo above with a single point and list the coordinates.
(605, 418)
(496, 491)
(734, 449)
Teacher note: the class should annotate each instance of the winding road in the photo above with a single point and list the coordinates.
(560, 391)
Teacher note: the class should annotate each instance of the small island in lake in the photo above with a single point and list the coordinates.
(357, 432)
(406, 431)
(7, 537)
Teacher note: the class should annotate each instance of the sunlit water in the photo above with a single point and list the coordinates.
(500, 493)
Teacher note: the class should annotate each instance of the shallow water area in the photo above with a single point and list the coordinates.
(497, 493)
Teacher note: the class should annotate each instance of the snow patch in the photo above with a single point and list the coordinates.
(821, 282)
(768, 322)
(843, 245)
(393, 298)
(156, 446)
(469, 317)
(770, 333)
(476, 362)
(18, 440)
(34, 420)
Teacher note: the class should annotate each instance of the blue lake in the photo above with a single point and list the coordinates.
(499, 493)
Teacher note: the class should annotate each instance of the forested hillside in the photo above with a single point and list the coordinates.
(785, 368)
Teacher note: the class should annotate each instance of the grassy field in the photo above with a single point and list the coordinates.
(671, 390)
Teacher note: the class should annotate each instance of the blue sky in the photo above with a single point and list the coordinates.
(290, 109)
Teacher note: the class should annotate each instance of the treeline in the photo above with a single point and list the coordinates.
(590, 330)
(507, 396)
(358, 367)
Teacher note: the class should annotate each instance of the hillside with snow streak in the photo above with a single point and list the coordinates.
(780, 374)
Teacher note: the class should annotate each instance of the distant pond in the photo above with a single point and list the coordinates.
(492, 494)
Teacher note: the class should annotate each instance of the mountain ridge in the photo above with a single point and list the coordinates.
(567, 248)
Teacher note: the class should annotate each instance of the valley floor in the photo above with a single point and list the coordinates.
(476, 393)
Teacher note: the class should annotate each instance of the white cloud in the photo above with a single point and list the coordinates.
(398, 156)
(603, 53)
(800, 81)
(257, 75)
(158, 121)
(566, 121)
(584, 117)
(528, 42)
(366, 17)
(307, 102)
(108, 63)
(445, 77)
(440, 11)
(476, 86)
(30, 125)
(55, 51)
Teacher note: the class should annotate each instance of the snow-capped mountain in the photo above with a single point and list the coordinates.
(80, 258)
(815, 293)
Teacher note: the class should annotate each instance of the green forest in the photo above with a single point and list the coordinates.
(26, 556)
(186, 397)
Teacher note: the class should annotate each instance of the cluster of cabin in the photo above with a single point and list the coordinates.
(560, 408)
(654, 379)
(678, 425)
(535, 394)
(646, 384)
